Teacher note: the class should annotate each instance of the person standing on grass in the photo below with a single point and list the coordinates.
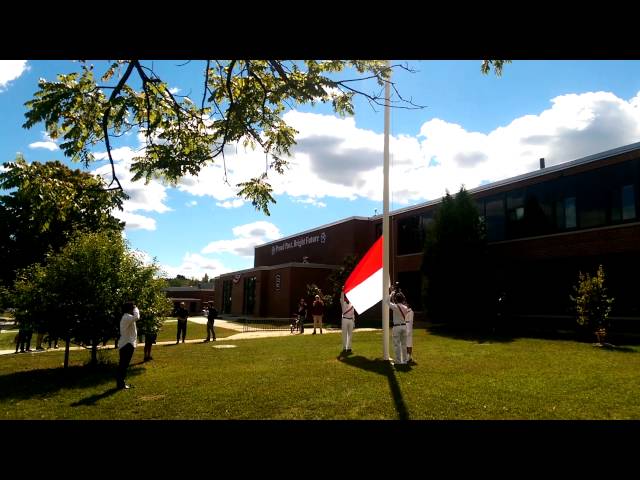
(127, 341)
(302, 314)
(317, 311)
(409, 320)
(150, 336)
(212, 313)
(396, 303)
(348, 319)
(182, 315)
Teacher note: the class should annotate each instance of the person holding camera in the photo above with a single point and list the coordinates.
(127, 341)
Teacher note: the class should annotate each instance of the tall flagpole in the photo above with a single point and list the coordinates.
(385, 223)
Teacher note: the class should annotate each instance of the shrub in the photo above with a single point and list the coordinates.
(592, 304)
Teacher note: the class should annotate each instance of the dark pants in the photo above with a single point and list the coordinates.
(126, 353)
(211, 333)
(182, 327)
(25, 341)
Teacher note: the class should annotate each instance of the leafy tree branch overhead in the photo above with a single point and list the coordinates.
(242, 101)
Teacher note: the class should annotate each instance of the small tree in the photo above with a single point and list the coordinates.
(456, 287)
(592, 304)
(79, 293)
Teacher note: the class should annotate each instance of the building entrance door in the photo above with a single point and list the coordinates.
(249, 296)
(226, 296)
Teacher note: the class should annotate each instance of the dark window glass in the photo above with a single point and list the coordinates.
(515, 213)
(538, 210)
(628, 203)
(226, 296)
(495, 218)
(249, 297)
(409, 235)
(592, 202)
(570, 212)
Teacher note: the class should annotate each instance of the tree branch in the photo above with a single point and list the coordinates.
(105, 121)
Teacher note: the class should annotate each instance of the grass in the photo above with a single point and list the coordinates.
(302, 377)
(168, 332)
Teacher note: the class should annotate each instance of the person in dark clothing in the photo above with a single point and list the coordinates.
(302, 314)
(211, 317)
(317, 311)
(182, 315)
(24, 337)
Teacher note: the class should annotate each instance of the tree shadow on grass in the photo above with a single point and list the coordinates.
(385, 368)
(473, 335)
(46, 382)
(509, 334)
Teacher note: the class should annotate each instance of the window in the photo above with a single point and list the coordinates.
(249, 295)
(411, 233)
(515, 213)
(570, 212)
(495, 218)
(628, 203)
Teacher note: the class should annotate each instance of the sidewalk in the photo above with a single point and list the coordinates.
(218, 323)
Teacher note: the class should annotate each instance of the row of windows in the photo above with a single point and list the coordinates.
(600, 197)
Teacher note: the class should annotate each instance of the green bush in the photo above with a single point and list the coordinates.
(592, 304)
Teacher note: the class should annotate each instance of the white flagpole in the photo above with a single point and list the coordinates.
(385, 224)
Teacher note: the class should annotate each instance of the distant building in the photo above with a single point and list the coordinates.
(542, 227)
(193, 297)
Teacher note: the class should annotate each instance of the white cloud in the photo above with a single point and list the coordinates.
(134, 221)
(10, 70)
(142, 197)
(238, 202)
(310, 201)
(195, 266)
(48, 143)
(335, 158)
(192, 203)
(247, 237)
(174, 90)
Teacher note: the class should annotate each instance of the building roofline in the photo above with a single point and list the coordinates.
(280, 265)
(313, 230)
(526, 176)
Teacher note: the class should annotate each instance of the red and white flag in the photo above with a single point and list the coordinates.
(363, 288)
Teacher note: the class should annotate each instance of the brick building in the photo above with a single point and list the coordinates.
(542, 227)
(193, 297)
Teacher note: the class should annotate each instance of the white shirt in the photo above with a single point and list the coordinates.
(128, 330)
(398, 317)
(347, 308)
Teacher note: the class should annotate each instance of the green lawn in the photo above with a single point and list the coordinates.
(301, 377)
(168, 332)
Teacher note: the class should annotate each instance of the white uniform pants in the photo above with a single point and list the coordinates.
(400, 344)
(410, 334)
(347, 333)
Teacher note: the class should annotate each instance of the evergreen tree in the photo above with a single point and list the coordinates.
(456, 286)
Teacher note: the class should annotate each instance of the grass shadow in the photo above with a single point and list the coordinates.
(382, 367)
(616, 348)
(93, 399)
(45, 382)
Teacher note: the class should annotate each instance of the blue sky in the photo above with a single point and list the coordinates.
(475, 129)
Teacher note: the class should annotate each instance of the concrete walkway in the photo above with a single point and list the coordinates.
(218, 323)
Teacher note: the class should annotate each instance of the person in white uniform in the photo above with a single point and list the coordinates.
(348, 319)
(127, 341)
(396, 303)
(409, 320)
